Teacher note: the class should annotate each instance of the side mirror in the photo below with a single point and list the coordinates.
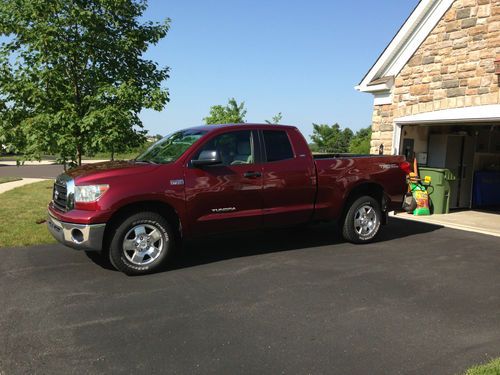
(207, 157)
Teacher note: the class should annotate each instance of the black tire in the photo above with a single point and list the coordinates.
(353, 232)
(123, 260)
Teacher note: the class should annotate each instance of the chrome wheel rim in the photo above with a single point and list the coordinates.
(143, 244)
(365, 220)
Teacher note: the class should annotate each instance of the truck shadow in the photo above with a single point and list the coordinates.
(218, 248)
(197, 252)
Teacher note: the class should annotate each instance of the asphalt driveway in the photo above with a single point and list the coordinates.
(422, 300)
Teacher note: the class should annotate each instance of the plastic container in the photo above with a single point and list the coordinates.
(421, 197)
(439, 189)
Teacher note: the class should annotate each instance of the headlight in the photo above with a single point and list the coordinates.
(89, 193)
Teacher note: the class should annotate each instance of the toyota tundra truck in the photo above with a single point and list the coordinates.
(212, 179)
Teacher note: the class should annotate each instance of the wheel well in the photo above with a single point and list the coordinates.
(370, 189)
(159, 207)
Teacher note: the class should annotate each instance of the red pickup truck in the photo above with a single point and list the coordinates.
(221, 178)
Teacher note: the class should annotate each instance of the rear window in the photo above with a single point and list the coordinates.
(278, 145)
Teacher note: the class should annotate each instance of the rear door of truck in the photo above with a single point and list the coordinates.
(289, 178)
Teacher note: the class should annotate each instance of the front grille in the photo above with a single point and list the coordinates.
(60, 195)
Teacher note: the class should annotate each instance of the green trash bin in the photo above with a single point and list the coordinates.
(439, 189)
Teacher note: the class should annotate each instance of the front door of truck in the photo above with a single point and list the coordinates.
(227, 196)
(289, 181)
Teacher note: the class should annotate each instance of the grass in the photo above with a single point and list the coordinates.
(3, 180)
(20, 210)
(107, 156)
(490, 368)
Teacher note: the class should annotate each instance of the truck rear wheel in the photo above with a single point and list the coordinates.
(141, 244)
(362, 221)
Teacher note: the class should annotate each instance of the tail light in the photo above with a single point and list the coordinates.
(405, 167)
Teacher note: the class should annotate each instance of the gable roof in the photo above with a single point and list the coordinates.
(418, 26)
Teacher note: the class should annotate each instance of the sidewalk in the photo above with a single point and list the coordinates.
(468, 220)
(45, 162)
(14, 184)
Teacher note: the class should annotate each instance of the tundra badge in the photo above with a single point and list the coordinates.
(222, 210)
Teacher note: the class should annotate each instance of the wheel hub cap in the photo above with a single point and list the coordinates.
(365, 220)
(143, 244)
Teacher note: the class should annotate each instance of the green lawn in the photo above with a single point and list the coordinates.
(107, 156)
(20, 210)
(491, 368)
(9, 179)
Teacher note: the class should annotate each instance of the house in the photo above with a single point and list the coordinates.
(437, 98)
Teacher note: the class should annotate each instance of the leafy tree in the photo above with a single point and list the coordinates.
(232, 113)
(360, 143)
(331, 138)
(276, 119)
(313, 147)
(72, 75)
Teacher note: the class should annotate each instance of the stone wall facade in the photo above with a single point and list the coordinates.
(454, 67)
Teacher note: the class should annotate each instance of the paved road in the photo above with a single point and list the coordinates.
(422, 300)
(31, 171)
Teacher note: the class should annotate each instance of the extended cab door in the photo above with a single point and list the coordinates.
(289, 179)
(227, 196)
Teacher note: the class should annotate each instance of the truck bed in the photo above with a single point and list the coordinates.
(335, 156)
(339, 174)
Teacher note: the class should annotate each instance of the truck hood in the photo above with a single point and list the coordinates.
(108, 169)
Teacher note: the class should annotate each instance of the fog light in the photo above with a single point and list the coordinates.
(77, 235)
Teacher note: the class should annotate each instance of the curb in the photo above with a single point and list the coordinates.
(13, 163)
(466, 228)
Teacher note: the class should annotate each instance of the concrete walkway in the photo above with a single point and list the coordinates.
(468, 220)
(14, 184)
(45, 162)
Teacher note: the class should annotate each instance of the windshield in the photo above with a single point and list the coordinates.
(171, 147)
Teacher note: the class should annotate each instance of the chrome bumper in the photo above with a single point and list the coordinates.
(77, 236)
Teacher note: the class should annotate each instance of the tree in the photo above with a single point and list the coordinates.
(360, 143)
(72, 75)
(232, 113)
(276, 119)
(331, 138)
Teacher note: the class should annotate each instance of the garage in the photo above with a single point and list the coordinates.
(436, 90)
(465, 141)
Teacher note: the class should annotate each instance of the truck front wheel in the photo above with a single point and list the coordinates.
(141, 243)
(362, 221)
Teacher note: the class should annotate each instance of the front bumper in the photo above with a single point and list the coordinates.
(78, 236)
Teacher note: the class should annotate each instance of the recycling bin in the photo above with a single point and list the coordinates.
(439, 189)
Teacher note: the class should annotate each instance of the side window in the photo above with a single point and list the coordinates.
(234, 148)
(278, 145)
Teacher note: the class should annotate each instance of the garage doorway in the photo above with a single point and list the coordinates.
(470, 152)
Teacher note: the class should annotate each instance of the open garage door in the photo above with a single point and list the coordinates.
(464, 140)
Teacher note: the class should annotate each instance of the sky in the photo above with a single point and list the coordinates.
(300, 58)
